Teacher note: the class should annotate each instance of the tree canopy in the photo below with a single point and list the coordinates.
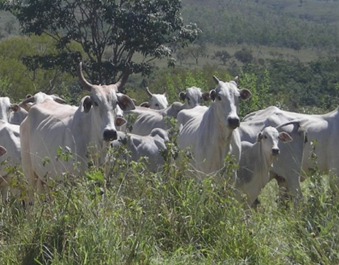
(112, 34)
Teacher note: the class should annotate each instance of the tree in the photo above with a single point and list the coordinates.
(16, 80)
(196, 51)
(222, 56)
(122, 28)
(181, 55)
(244, 55)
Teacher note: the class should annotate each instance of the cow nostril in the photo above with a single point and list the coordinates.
(275, 151)
(233, 122)
(110, 135)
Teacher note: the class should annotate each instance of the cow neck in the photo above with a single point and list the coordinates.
(264, 165)
(216, 138)
(85, 121)
(173, 109)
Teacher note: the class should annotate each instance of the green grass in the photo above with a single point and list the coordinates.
(170, 217)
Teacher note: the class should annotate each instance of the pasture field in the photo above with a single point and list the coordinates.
(120, 213)
(169, 217)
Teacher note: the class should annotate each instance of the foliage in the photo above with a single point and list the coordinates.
(270, 23)
(259, 88)
(196, 51)
(244, 55)
(168, 217)
(21, 81)
(301, 87)
(222, 56)
(109, 32)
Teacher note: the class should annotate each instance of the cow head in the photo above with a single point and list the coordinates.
(225, 98)
(156, 101)
(161, 133)
(192, 97)
(102, 105)
(39, 98)
(269, 138)
(17, 114)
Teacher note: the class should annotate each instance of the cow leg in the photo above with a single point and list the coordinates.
(282, 185)
(334, 180)
(42, 189)
(288, 188)
(4, 186)
(294, 189)
(4, 194)
(32, 187)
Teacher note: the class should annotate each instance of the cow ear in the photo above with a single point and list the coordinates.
(125, 102)
(245, 94)
(206, 96)
(2, 150)
(119, 121)
(87, 104)
(213, 94)
(58, 99)
(285, 137)
(182, 96)
(259, 137)
(145, 104)
(14, 107)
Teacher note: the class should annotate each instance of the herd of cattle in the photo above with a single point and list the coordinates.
(266, 144)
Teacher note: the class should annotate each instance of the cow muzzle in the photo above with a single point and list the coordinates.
(110, 135)
(275, 151)
(233, 122)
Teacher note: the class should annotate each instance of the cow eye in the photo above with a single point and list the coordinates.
(265, 136)
(96, 104)
(156, 104)
(219, 98)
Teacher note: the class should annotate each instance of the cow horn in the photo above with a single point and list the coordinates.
(27, 100)
(24, 104)
(294, 122)
(149, 92)
(84, 83)
(216, 79)
(125, 74)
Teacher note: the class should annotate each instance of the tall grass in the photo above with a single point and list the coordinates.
(168, 217)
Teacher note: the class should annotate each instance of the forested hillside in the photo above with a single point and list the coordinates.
(288, 46)
(291, 24)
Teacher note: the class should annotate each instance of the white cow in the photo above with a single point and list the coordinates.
(5, 106)
(79, 131)
(289, 164)
(156, 101)
(186, 114)
(10, 139)
(39, 98)
(11, 112)
(256, 161)
(19, 111)
(149, 120)
(149, 146)
(209, 134)
(17, 114)
(322, 131)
